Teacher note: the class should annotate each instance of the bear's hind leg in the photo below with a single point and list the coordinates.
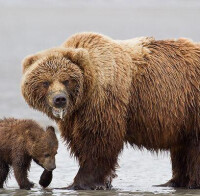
(4, 170)
(185, 166)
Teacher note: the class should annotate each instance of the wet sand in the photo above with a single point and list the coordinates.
(26, 29)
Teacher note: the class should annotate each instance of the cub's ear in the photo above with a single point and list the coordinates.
(50, 131)
(28, 61)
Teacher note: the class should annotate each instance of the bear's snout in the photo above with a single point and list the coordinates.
(60, 100)
(52, 168)
(50, 164)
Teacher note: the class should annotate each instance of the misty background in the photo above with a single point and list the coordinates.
(28, 26)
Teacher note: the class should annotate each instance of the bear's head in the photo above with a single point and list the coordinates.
(57, 81)
(44, 148)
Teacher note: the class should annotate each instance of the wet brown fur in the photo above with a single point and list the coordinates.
(141, 91)
(20, 142)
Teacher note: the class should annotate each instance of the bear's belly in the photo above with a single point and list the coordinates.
(152, 138)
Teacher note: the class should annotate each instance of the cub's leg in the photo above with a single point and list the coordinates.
(4, 170)
(21, 168)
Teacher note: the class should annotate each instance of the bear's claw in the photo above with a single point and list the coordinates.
(27, 186)
(170, 183)
(86, 187)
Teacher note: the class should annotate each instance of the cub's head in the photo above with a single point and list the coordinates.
(44, 149)
(56, 81)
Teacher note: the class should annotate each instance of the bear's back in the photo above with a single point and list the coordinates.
(13, 131)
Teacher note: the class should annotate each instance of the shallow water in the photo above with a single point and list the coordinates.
(29, 27)
(137, 173)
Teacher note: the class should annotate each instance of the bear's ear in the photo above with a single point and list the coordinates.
(51, 135)
(28, 61)
(81, 57)
(50, 129)
(77, 56)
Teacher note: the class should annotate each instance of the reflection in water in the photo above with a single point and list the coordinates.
(48, 192)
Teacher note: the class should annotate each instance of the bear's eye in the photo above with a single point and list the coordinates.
(66, 82)
(46, 84)
(47, 155)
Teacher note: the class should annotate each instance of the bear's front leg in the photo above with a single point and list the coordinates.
(94, 176)
(96, 137)
(21, 168)
(97, 152)
(21, 177)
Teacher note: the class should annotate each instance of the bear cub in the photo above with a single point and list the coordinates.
(22, 141)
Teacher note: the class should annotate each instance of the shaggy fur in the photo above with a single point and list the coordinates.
(20, 142)
(140, 91)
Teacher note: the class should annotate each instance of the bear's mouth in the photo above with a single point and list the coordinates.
(59, 112)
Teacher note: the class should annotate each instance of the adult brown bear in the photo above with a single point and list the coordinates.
(103, 93)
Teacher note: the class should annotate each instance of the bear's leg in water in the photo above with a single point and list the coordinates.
(20, 168)
(97, 156)
(185, 166)
(4, 170)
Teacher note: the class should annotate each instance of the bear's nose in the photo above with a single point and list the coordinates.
(60, 100)
(52, 168)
